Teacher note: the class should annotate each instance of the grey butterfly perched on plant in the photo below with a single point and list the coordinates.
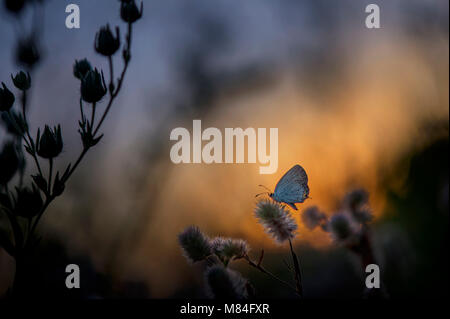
(292, 188)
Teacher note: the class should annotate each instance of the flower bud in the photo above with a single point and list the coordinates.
(6, 99)
(9, 163)
(27, 52)
(81, 68)
(129, 11)
(50, 144)
(22, 81)
(29, 202)
(14, 123)
(105, 42)
(93, 87)
(14, 6)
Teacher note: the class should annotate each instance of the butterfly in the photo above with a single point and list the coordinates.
(292, 188)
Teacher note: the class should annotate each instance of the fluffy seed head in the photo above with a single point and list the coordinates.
(196, 245)
(356, 202)
(227, 249)
(312, 217)
(276, 220)
(224, 283)
(342, 228)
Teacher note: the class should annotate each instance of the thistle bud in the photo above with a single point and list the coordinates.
(81, 68)
(29, 202)
(14, 123)
(129, 11)
(9, 163)
(50, 144)
(14, 6)
(93, 86)
(105, 42)
(22, 81)
(6, 98)
(27, 52)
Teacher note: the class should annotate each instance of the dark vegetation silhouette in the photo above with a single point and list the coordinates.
(349, 228)
(327, 273)
(24, 199)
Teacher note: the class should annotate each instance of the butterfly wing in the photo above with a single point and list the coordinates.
(292, 187)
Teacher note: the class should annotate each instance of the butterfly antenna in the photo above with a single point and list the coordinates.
(261, 194)
(264, 187)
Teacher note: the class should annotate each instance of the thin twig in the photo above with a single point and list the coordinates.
(263, 270)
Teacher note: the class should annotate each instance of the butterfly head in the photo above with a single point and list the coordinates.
(265, 193)
(269, 193)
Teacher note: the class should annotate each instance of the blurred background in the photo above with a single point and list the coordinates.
(356, 107)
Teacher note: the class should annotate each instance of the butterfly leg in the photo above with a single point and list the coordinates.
(292, 205)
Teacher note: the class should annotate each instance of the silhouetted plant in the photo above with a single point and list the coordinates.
(219, 252)
(348, 227)
(25, 205)
(225, 283)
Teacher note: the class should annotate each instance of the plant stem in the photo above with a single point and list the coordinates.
(119, 84)
(298, 276)
(47, 202)
(50, 173)
(111, 75)
(29, 142)
(263, 270)
(113, 95)
(93, 114)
